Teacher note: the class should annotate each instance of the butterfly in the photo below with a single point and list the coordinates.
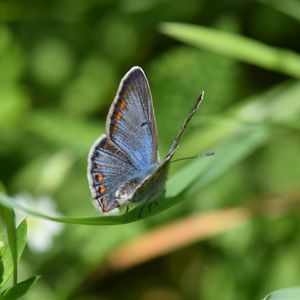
(123, 164)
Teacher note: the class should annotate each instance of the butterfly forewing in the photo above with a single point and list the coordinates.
(130, 123)
(153, 186)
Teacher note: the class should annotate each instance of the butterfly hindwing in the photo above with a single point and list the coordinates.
(109, 168)
(153, 185)
(130, 122)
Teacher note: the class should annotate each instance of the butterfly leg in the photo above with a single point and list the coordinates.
(150, 203)
(141, 211)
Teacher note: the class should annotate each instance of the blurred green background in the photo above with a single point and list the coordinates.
(60, 66)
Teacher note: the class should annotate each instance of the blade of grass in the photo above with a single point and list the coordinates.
(7, 258)
(9, 221)
(226, 156)
(107, 220)
(290, 8)
(236, 46)
(284, 294)
(20, 289)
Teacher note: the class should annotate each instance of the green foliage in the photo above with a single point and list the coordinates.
(61, 63)
(235, 46)
(12, 254)
(289, 7)
(19, 289)
(285, 294)
(9, 221)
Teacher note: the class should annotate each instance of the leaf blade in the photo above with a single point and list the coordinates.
(292, 293)
(9, 220)
(6, 258)
(20, 289)
(236, 46)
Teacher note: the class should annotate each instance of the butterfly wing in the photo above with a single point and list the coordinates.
(131, 123)
(184, 125)
(108, 168)
(153, 186)
(130, 145)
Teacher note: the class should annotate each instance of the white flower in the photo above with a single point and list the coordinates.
(40, 232)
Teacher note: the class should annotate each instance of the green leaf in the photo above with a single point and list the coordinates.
(20, 289)
(290, 8)
(284, 294)
(236, 46)
(227, 155)
(7, 263)
(9, 221)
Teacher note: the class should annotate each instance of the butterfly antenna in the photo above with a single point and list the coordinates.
(184, 124)
(207, 154)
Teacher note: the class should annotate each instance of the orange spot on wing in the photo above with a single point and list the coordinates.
(100, 177)
(125, 94)
(105, 203)
(122, 104)
(113, 128)
(118, 116)
(102, 189)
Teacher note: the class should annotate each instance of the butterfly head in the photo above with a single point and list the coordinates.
(126, 191)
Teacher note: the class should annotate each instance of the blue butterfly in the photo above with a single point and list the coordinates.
(123, 164)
